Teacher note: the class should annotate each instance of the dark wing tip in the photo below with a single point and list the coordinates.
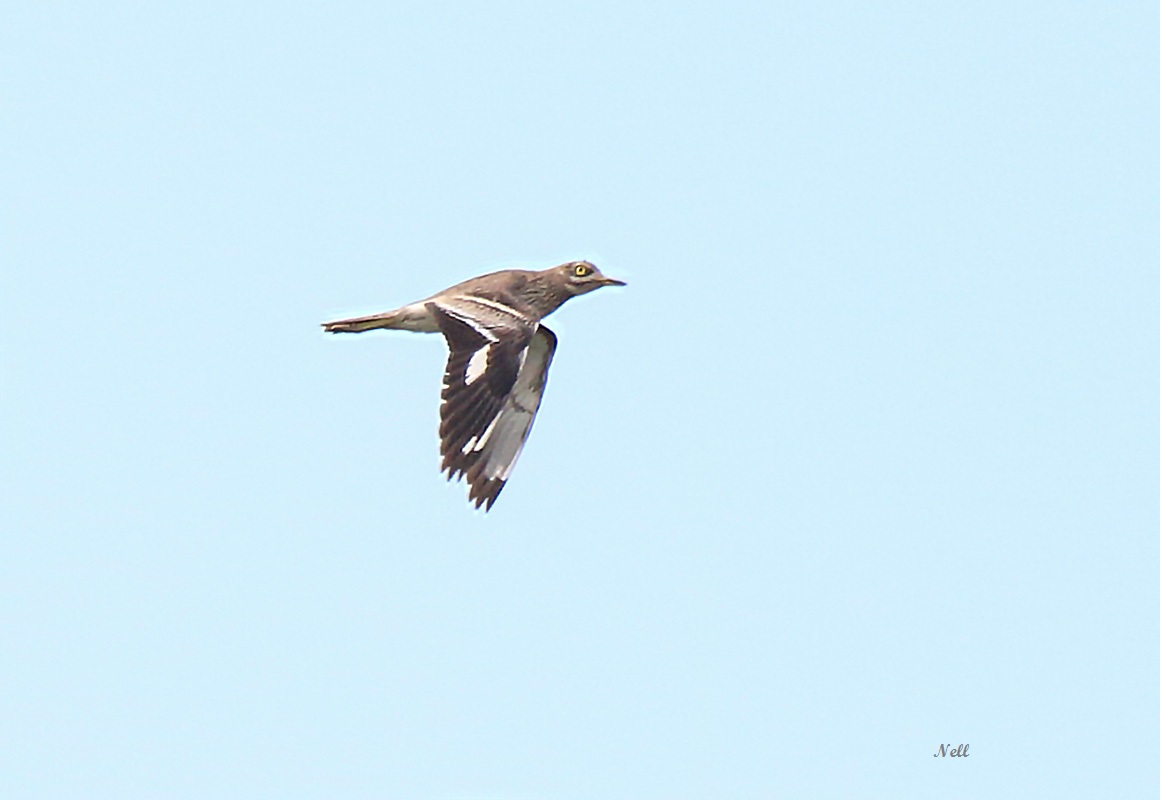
(484, 492)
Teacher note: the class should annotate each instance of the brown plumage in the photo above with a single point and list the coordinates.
(498, 362)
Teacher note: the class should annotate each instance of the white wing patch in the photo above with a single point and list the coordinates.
(477, 365)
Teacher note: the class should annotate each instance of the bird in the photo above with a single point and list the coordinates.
(497, 367)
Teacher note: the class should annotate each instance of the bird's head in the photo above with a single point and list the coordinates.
(581, 277)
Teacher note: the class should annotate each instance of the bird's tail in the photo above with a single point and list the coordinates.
(388, 319)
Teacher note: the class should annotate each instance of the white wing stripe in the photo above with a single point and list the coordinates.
(494, 305)
(476, 443)
(475, 324)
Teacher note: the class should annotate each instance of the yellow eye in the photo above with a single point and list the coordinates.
(580, 270)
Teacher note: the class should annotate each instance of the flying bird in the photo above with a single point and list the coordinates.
(498, 364)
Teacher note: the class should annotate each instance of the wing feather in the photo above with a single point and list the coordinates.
(485, 423)
(490, 471)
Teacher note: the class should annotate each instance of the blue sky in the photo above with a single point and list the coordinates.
(864, 459)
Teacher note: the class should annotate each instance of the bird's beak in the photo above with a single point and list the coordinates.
(613, 282)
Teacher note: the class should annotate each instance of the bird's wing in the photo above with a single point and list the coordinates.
(500, 450)
(491, 391)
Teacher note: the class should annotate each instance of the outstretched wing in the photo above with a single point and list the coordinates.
(491, 391)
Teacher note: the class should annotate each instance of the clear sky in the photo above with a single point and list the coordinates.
(864, 459)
